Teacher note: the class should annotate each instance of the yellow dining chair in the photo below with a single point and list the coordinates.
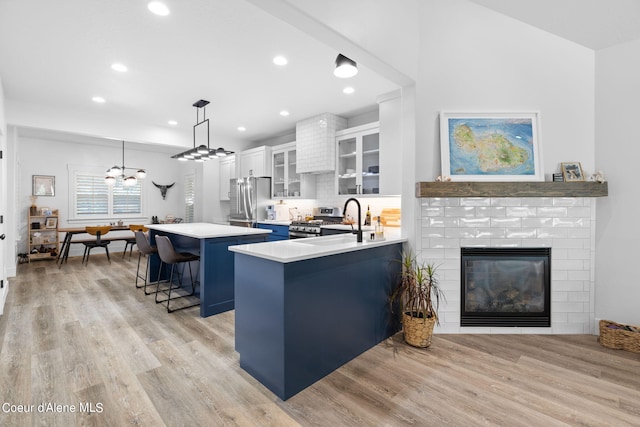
(99, 232)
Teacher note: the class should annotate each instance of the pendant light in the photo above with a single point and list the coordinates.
(119, 172)
(201, 152)
(345, 67)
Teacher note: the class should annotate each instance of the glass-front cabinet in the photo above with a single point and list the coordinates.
(286, 181)
(358, 151)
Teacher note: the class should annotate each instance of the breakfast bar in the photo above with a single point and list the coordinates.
(305, 307)
(215, 271)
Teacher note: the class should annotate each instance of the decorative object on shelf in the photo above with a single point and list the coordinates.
(45, 211)
(491, 146)
(163, 189)
(441, 178)
(572, 171)
(51, 222)
(418, 295)
(201, 152)
(598, 177)
(43, 185)
(119, 172)
(345, 67)
(33, 209)
(557, 177)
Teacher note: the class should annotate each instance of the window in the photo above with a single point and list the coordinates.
(189, 197)
(95, 199)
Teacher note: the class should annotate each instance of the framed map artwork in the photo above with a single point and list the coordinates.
(490, 146)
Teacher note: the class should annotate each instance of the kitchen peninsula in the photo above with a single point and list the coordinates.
(215, 272)
(305, 307)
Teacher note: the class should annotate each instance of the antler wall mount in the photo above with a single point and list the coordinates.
(163, 189)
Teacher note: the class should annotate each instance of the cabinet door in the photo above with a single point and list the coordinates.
(370, 163)
(348, 165)
(279, 174)
(358, 169)
(227, 172)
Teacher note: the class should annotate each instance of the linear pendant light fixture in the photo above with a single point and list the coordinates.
(345, 67)
(119, 172)
(201, 152)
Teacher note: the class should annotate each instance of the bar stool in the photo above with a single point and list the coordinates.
(169, 256)
(129, 243)
(98, 231)
(146, 249)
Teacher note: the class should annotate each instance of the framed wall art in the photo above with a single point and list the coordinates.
(44, 185)
(51, 222)
(491, 146)
(572, 171)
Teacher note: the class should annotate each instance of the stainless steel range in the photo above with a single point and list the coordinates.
(313, 228)
(302, 229)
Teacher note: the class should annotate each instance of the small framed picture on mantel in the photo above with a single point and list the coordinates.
(572, 171)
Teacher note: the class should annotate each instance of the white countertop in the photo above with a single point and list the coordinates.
(285, 251)
(205, 230)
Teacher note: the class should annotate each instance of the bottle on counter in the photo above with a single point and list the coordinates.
(367, 218)
(379, 230)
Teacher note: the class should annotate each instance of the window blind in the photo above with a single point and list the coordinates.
(189, 198)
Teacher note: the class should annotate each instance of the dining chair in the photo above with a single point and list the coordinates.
(169, 256)
(99, 232)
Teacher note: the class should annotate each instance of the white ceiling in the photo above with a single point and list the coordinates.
(59, 53)
(596, 24)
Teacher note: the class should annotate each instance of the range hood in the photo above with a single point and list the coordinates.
(315, 143)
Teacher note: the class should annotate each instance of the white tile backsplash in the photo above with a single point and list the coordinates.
(566, 224)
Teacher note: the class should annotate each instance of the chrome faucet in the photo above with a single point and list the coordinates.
(359, 232)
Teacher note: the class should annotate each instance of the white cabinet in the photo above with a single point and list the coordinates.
(390, 110)
(227, 172)
(358, 160)
(286, 182)
(255, 162)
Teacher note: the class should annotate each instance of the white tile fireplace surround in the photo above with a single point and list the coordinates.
(565, 224)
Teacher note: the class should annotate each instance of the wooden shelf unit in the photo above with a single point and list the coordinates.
(511, 189)
(48, 237)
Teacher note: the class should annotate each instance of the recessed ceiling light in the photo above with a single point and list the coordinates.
(158, 8)
(119, 67)
(284, 113)
(98, 99)
(348, 90)
(280, 60)
(173, 123)
(242, 128)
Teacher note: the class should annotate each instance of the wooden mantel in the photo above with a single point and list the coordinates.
(511, 189)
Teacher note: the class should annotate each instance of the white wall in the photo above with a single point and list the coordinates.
(53, 157)
(617, 152)
(474, 59)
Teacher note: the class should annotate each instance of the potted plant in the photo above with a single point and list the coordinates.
(418, 295)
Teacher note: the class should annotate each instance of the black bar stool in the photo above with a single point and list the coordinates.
(146, 249)
(169, 256)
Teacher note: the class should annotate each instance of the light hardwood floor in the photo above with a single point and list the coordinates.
(86, 335)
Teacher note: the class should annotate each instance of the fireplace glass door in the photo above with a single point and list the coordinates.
(505, 287)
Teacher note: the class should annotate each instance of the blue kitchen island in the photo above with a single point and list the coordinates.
(215, 270)
(305, 307)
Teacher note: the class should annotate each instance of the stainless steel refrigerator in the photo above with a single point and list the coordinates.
(249, 200)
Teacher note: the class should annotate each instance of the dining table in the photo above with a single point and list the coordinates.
(63, 255)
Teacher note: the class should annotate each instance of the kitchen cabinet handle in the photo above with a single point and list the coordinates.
(2, 236)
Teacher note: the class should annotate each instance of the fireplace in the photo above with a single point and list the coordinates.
(505, 287)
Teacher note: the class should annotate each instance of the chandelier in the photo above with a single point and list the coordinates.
(201, 152)
(120, 172)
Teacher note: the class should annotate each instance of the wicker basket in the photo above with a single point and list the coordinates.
(618, 338)
(418, 330)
